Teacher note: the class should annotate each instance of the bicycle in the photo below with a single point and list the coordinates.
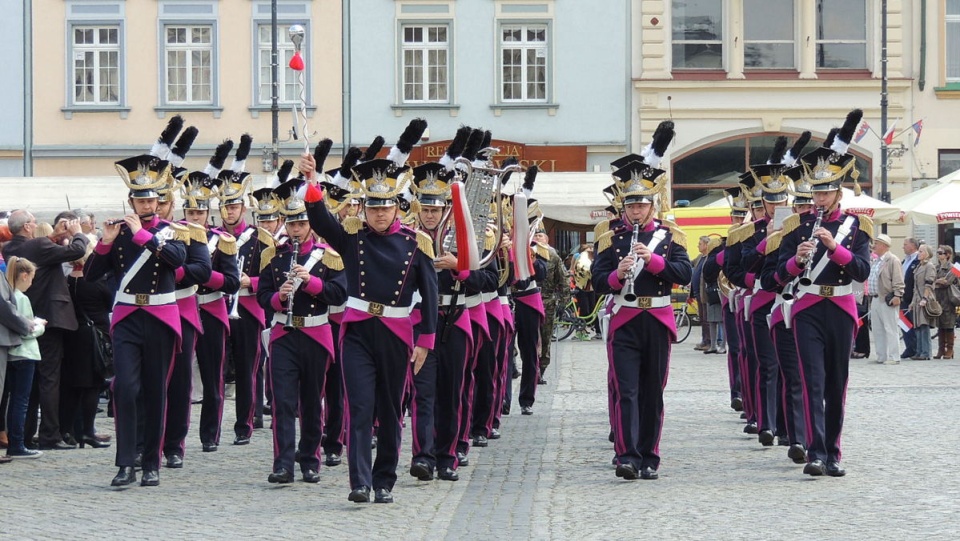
(684, 318)
(568, 319)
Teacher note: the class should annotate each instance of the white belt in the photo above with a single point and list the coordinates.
(504, 300)
(643, 302)
(445, 300)
(827, 291)
(487, 297)
(300, 321)
(210, 297)
(185, 292)
(143, 299)
(473, 301)
(377, 309)
(336, 309)
(245, 292)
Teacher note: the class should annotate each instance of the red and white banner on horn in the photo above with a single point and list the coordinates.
(523, 261)
(468, 255)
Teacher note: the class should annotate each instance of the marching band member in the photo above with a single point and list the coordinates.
(299, 280)
(825, 252)
(739, 208)
(642, 327)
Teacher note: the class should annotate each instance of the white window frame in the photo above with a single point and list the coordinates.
(951, 20)
(286, 77)
(793, 42)
(524, 46)
(189, 48)
(74, 49)
(425, 47)
(725, 30)
(864, 42)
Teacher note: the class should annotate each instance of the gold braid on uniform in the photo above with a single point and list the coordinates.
(742, 233)
(489, 240)
(773, 242)
(227, 244)
(266, 237)
(678, 236)
(790, 224)
(601, 228)
(866, 225)
(198, 233)
(425, 243)
(604, 241)
(714, 243)
(182, 234)
(352, 224)
(331, 259)
(266, 256)
(541, 251)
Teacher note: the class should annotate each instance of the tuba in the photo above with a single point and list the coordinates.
(723, 283)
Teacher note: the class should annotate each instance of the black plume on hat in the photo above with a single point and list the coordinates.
(512, 160)
(410, 136)
(662, 137)
(529, 178)
(321, 151)
(845, 135)
(831, 137)
(284, 172)
(487, 137)
(243, 150)
(373, 149)
(345, 172)
(219, 157)
(459, 143)
(796, 149)
(161, 148)
(779, 150)
(183, 145)
(473, 145)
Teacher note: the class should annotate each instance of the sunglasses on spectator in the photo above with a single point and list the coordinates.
(941, 253)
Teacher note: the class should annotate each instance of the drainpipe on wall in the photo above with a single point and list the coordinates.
(923, 45)
(27, 88)
(346, 73)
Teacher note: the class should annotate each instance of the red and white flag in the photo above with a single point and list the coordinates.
(917, 127)
(861, 132)
(888, 137)
(955, 269)
(905, 323)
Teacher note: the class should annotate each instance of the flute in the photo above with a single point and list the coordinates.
(119, 221)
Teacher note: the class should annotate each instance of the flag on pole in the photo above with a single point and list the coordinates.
(904, 322)
(888, 137)
(917, 127)
(861, 132)
(955, 269)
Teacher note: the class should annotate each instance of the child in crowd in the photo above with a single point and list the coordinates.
(22, 359)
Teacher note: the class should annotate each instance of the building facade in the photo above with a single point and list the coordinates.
(13, 94)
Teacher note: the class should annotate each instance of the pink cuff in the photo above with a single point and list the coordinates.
(103, 249)
(750, 279)
(215, 281)
(142, 237)
(275, 302)
(426, 340)
(461, 276)
(614, 282)
(179, 273)
(792, 266)
(720, 258)
(254, 283)
(840, 256)
(762, 247)
(314, 286)
(656, 264)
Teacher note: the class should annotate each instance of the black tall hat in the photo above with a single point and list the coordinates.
(265, 205)
(292, 206)
(827, 167)
(432, 184)
(381, 181)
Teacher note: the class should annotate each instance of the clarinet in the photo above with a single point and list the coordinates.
(235, 298)
(628, 294)
(291, 275)
(805, 277)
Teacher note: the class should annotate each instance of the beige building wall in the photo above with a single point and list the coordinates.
(86, 143)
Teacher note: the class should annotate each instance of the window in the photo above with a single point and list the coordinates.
(768, 34)
(841, 39)
(697, 34)
(188, 69)
(523, 63)
(96, 65)
(425, 63)
(948, 163)
(287, 91)
(952, 34)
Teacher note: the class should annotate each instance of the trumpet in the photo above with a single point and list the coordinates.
(805, 279)
(291, 275)
(235, 298)
(633, 271)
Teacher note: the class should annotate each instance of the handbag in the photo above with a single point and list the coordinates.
(102, 348)
(932, 308)
(953, 294)
(713, 294)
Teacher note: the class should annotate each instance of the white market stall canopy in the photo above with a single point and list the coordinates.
(936, 204)
(575, 198)
(881, 211)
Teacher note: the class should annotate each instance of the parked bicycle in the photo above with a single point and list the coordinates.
(569, 321)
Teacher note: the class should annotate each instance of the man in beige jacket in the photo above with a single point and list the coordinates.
(886, 281)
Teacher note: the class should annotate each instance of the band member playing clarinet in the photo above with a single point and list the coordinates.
(639, 262)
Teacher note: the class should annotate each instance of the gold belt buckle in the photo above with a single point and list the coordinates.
(375, 309)
(141, 299)
(297, 321)
(644, 302)
(826, 291)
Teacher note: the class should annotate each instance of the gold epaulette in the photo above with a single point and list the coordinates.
(489, 240)
(332, 260)
(227, 244)
(791, 223)
(182, 233)
(745, 231)
(604, 241)
(676, 234)
(866, 225)
(266, 256)
(198, 233)
(425, 243)
(773, 242)
(601, 228)
(541, 250)
(265, 237)
(352, 224)
(714, 243)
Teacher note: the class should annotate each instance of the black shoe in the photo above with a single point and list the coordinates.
(743, 415)
(359, 495)
(92, 441)
(797, 454)
(448, 474)
(151, 478)
(69, 439)
(526, 410)
(751, 428)
(311, 476)
(282, 476)
(268, 410)
(296, 456)
(257, 422)
(480, 441)
(462, 459)
(610, 437)
(209, 447)
(383, 495)
(782, 441)
(515, 374)
(494, 434)
(627, 471)
(710, 351)
(766, 437)
(736, 404)
(124, 477)
(332, 459)
(421, 470)
(174, 461)
(815, 468)
(649, 473)
(56, 446)
(541, 381)
(834, 469)
(240, 440)
(505, 410)
(138, 462)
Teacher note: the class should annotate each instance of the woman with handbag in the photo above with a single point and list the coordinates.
(924, 305)
(947, 292)
(83, 365)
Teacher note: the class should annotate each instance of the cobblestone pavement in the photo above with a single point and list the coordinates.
(550, 476)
